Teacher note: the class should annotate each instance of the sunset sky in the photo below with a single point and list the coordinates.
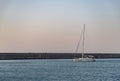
(55, 25)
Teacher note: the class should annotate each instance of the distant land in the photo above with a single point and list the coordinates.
(12, 56)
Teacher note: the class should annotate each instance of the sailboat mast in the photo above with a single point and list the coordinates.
(83, 41)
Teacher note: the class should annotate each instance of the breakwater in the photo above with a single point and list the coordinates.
(8, 56)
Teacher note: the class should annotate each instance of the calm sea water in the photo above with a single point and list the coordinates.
(59, 70)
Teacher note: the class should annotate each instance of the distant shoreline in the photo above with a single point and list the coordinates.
(15, 56)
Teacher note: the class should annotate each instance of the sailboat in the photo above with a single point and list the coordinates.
(84, 58)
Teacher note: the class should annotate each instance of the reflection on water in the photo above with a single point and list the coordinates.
(59, 70)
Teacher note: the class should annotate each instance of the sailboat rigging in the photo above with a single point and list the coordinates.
(83, 57)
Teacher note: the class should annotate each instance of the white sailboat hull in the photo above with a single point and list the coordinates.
(84, 60)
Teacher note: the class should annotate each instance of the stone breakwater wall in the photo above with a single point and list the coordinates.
(10, 56)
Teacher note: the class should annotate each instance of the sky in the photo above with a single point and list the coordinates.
(55, 25)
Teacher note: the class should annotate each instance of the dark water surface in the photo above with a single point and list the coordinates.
(59, 70)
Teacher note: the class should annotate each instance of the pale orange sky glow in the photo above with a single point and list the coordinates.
(55, 26)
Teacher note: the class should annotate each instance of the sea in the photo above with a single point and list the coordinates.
(59, 70)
